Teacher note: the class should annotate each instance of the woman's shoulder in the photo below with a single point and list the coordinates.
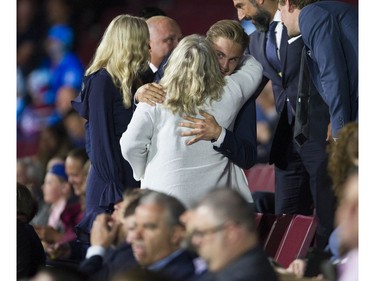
(144, 106)
(101, 74)
(99, 80)
(154, 112)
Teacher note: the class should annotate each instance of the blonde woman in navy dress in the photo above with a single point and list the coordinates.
(106, 102)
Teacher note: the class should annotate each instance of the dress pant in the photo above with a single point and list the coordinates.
(303, 186)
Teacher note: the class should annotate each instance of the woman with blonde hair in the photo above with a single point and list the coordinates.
(152, 144)
(106, 102)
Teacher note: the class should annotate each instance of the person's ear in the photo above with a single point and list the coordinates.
(290, 6)
(177, 234)
(66, 187)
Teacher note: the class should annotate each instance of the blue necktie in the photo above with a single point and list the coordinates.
(271, 47)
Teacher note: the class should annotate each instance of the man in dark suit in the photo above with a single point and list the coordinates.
(301, 179)
(154, 236)
(110, 251)
(165, 33)
(158, 237)
(329, 30)
(222, 230)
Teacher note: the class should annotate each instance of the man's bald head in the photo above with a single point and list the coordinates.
(165, 34)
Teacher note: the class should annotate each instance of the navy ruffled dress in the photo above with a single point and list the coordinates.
(101, 104)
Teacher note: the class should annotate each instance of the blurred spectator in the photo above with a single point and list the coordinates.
(53, 142)
(65, 211)
(347, 219)
(30, 252)
(110, 250)
(41, 218)
(60, 68)
(59, 12)
(222, 229)
(77, 168)
(75, 128)
(158, 237)
(343, 155)
(29, 32)
(63, 106)
(31, 174)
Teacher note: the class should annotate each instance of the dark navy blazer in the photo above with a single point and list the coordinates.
(330, 32)
(286, 86)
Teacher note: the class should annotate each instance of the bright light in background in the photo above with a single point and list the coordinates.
(248, 26)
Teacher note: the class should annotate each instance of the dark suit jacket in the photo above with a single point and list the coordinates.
(99, 268)
(160, 73)
(30, 252)
(286, 86)
(240, 146)
(180, 268)
(330, 31)
(251, 266)
(148, 76)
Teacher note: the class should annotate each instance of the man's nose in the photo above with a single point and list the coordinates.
(240, 15)
(225, 66)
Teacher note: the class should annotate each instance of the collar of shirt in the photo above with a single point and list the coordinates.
(278, 30)
(291, 40)
(153, 67)
(163, 262)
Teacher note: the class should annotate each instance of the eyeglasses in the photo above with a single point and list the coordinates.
(201, 233)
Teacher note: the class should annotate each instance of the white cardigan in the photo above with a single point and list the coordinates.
(162, 160)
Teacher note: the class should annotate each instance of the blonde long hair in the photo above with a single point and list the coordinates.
(192, 76)
(123, 52)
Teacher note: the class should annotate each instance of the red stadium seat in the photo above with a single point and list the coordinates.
(261, 177)
(297, 239)
(276, 234)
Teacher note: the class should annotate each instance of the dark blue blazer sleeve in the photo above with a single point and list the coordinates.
(240, 146)
(329, 31)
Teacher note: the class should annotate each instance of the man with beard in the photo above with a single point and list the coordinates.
(301, 179)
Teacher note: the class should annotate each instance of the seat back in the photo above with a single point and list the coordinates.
(258, 217)
(276, 234)
(297, 239)
(265, 225)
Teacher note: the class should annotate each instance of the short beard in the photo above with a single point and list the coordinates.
(262, 19)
